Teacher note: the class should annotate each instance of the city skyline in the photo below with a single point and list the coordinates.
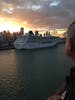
(36, 14)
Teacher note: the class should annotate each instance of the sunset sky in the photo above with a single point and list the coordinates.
(36, 14)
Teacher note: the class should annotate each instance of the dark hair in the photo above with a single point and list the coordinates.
(71, 34)
(71, 30)
(71, 24)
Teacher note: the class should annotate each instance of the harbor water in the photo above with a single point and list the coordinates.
(32, 74)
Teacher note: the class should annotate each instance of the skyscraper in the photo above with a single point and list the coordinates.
(21, 31)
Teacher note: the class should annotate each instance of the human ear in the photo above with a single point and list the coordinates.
(68, 46)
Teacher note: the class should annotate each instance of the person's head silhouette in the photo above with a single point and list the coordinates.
(70, 42)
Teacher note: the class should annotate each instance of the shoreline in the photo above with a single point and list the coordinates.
(6, 48)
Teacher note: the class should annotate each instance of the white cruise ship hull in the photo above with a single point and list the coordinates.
(34, 42)
(34, 45)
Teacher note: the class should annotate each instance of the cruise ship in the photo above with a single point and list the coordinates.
(31, 41)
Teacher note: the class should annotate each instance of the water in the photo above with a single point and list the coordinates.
(32, 74)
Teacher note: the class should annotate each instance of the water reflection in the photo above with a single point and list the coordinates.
(10, 79)
(31, 75)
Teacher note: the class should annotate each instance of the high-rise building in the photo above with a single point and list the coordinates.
(21, 31)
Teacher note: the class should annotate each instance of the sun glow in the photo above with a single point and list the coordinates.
(12, 25)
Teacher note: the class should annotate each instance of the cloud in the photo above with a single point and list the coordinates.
(40, 13)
